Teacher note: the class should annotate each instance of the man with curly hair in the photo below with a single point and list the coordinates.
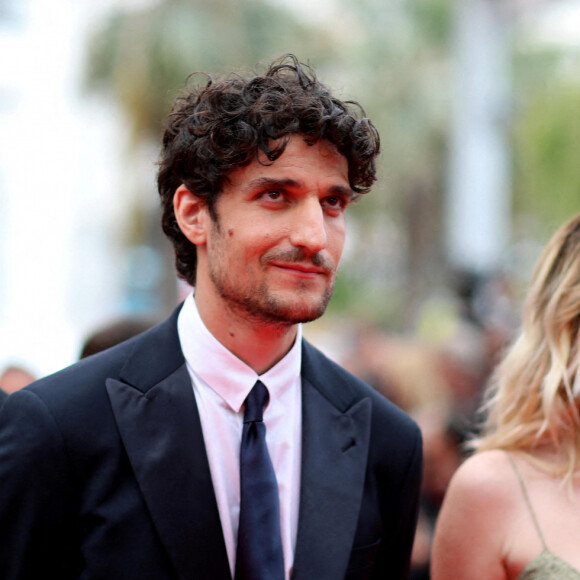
(154, 459)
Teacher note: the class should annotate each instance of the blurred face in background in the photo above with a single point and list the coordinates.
(14, 379)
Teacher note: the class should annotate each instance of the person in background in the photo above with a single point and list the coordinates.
(512, 510)
(114, 333)
(220, 443)
(15, 377)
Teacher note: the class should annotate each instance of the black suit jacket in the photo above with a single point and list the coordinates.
(104, 474)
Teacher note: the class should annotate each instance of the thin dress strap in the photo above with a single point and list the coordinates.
(527, 498)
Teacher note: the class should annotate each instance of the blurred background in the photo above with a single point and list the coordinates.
(478, 107)
(477, 103)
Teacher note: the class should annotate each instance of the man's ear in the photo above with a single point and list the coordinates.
(191, 214)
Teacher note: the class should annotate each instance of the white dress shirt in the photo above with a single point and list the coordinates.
(221, 383)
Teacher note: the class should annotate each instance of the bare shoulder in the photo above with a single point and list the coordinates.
(470, 536)
(485, 474)
(482, 490)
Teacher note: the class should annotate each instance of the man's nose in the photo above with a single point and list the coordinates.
(309, 227)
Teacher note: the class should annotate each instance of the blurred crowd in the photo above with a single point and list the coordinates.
(437, 375)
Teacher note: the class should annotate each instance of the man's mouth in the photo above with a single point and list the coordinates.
(306, 269)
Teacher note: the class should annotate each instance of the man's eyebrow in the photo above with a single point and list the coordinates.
(271, 182)
(342, 191)
(288, 183)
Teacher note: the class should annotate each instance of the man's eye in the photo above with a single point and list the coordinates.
(335, 202)
(273, 195)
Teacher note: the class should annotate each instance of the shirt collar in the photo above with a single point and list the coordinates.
(224, 372)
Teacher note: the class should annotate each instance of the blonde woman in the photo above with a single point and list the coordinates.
(512, 510)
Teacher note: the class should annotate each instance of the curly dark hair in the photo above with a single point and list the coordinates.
(228, 121)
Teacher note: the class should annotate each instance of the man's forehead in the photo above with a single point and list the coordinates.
(299, 160)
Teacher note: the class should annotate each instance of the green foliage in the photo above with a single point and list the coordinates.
(433, 20)
(546, 150)
(144, 57)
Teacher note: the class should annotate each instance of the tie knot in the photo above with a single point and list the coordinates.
(255, 402)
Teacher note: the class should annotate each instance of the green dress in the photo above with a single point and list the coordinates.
(545, 566)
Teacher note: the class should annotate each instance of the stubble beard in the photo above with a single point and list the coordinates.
(259, 305)
(256, 303)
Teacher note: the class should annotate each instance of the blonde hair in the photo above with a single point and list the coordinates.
(532, 400)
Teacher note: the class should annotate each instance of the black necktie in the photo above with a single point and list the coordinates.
(259, 553)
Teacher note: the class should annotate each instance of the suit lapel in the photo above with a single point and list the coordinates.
(335, 439)
(159, 424)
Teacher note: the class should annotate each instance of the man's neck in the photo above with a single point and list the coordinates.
(259, 345)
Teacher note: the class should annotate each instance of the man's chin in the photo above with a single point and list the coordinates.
(278, 308)
(302, 317)
(293, 313)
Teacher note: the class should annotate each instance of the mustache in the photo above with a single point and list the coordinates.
(298, 256)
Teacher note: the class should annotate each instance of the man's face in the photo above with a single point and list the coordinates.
(272, 255)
